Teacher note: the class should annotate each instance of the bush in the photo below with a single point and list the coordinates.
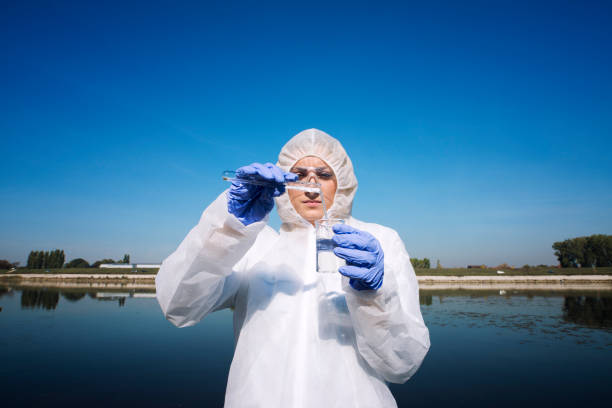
(4, 264)
(78, 263)
(594, 250)
(102, 261)
(420, 263)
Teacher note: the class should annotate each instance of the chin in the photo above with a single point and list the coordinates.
(311, 215)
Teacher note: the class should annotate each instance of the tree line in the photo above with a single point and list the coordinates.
(46, 259)
(594, 250)
(420, 263)
(56, 258)
(5, 264)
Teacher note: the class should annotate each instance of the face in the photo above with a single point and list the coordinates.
(313, 170)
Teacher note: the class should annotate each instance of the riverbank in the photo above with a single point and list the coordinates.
(82, 281)
(549, 282)
(82, 271)
(147, 281)
(531, 271)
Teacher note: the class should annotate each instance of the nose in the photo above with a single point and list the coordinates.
(312, 178)
(311, 195)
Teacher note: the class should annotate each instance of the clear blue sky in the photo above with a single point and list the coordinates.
(480, 131)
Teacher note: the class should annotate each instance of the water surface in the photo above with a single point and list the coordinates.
(533, 348)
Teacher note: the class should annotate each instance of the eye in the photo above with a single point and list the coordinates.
(300, 174)
(325, 175)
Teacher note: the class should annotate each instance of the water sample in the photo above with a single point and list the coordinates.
(327, 261)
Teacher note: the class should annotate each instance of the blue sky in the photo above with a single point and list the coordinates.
(480, 131)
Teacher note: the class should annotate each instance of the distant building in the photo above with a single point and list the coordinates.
(130, 266)
(148, 266)
(477, 266)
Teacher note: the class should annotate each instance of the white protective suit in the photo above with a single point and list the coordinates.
(303, 339)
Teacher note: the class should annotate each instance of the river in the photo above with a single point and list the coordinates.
(489, 348)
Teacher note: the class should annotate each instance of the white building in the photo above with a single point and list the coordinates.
(130, 266)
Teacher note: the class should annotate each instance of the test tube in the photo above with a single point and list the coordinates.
(230, 175)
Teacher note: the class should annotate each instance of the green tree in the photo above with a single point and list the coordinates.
(595, 250)
(59, 258)
(32, 260)
(576, 251)
(56, 259)
(565, 251)
(4, 264)
(601, 248)
(420, 263)
(102, 261)
(46, 259)
(51, 259)
(40, 256)
(78, 263)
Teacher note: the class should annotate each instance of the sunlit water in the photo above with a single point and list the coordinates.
(70, 348)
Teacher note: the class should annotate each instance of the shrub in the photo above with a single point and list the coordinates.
(78, 263)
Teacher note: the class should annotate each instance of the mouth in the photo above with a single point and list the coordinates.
(311, 203)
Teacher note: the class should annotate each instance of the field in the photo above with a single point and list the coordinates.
(419, 271)
(512, 272)
(90, 271)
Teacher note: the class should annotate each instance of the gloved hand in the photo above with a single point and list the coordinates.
(363, 254)
(251, 203)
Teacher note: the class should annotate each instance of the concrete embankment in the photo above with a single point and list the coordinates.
(84, 281)
(549, 282)
(147, 281)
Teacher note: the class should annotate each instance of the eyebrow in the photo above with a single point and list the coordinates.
(305, 169)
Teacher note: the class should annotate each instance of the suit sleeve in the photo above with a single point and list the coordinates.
(202, 275)
(390, 331)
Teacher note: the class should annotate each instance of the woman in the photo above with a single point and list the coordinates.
(303, 339)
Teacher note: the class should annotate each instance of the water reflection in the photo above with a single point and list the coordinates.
(546, 316)
(105, 297)
(425, 299)
(39, 298)
(48, 298)
(592, 309)
(73, 296)
(588, 311)
(553, 346)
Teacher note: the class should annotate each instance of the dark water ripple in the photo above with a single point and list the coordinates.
(109, 348)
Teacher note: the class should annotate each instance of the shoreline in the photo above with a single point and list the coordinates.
(81, 281)
(141, 281)
(538, 282)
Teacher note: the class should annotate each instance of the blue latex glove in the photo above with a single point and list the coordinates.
(364, 257)
(251, 203)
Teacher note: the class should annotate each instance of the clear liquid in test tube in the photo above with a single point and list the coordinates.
(230, 175)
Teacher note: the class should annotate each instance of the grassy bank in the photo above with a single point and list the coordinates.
(91, 271)
(513, 272)
(419, 271)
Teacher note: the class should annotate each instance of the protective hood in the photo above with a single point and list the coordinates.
(314, 142)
